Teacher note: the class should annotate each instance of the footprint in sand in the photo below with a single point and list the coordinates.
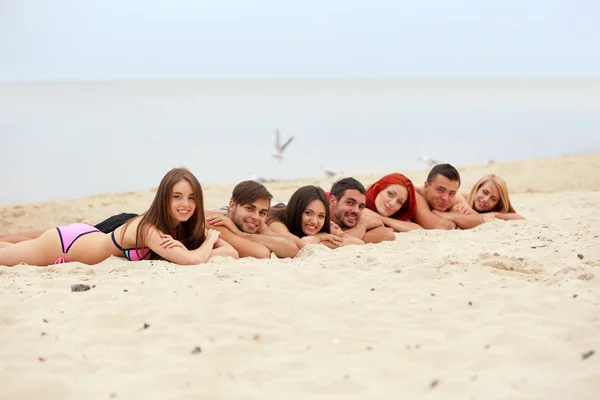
(512, 264)
(592, 263)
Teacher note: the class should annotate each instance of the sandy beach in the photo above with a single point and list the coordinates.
(508, 310)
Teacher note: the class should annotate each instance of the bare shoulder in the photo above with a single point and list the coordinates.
(266, 229)
(422, 214)
(276, 230)
(421, 202)
(276, 226)
(127, 233)
(215, 212)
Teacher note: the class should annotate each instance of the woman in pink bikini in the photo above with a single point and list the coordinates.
(176, 212)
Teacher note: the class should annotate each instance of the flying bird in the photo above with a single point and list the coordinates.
(429, 161)
(329, 172)
(280, 148)
(258, 178)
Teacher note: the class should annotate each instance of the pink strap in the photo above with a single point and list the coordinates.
(62, 259)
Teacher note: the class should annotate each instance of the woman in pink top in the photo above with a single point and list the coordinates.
(176, 212)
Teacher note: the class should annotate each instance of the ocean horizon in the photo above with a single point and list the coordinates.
(72, 139)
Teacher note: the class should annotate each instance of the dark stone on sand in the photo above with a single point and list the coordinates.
(575, 295)
(588, 354)
(80, 287)
(580, 256)
(197, 350)
(125, 290)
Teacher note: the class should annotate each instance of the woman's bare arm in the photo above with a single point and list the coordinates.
(179, 255)
(280, 229)
(224, 249)
(400, 226)
(396, 225)
(508, 216)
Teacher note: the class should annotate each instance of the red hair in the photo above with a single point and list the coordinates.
(408, 209)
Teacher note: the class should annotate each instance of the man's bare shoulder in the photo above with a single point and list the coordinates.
(421, 201)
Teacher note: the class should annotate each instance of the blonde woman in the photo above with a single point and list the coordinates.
(488, 199)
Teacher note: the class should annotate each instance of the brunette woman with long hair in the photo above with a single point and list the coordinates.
(171, 229)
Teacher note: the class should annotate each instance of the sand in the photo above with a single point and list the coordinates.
(508, 310)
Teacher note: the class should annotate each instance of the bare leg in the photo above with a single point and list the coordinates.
(5, 244)
(41, 251)
(19, 237)
(14, 239)
(32, 234)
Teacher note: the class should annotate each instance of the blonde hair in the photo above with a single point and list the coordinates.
(503, 205)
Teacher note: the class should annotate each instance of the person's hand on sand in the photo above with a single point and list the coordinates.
(329, 237)
(311, 239)
(212, 235)
(460, 208)
(370, 222)
(224, 221)
(487, 217)
(335, 229)
(372, 213)
(168, 242)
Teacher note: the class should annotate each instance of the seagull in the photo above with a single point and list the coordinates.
(328, 172)
(429, 161)
(279, 148)
(258, 178)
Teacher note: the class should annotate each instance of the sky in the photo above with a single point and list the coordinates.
(44, 40)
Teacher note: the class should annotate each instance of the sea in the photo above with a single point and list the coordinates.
(64, 140)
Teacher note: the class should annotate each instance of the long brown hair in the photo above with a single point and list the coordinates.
(291, 215)
(191, 232)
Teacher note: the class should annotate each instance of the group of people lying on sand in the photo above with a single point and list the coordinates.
(178, 229)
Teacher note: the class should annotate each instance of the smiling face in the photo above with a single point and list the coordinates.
(347, 210)
(391, 199)
(250, 217)
(183, 202)
(313, 217)
(440, 192)
(486, 197)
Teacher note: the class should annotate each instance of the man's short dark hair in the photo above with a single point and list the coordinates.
(339, 188)
(446, 170)
(247, 192)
